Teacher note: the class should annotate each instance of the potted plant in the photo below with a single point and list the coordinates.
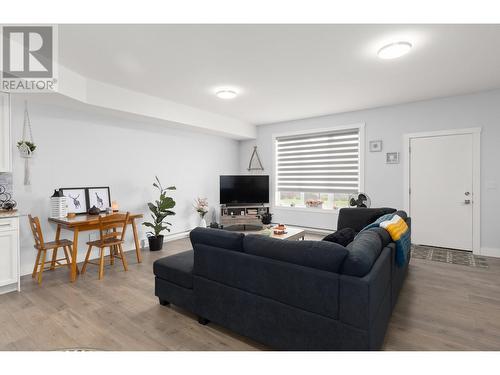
(159, 212)
(26, 148)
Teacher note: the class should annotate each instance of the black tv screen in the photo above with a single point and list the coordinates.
(244, 189)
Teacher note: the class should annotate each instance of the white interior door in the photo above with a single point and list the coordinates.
(441, 196)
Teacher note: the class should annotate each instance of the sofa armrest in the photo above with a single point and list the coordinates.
(360, 299)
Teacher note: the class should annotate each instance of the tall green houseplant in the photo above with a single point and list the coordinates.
(160, 210)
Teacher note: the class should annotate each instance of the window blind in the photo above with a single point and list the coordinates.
(322, 162)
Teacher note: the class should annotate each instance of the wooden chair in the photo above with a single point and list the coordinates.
(109, 237)
(42, 248)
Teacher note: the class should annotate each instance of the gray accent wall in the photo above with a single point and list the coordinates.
(384, 182)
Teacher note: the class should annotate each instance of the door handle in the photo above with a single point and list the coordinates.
(467, 201)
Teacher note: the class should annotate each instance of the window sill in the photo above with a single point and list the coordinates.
(310, 210)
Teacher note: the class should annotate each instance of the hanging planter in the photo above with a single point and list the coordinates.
(26, 145)
(26, 149)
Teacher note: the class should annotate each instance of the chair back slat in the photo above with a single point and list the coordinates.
(36, 229)
(116, 223)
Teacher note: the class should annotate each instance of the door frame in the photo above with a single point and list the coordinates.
(476, 175)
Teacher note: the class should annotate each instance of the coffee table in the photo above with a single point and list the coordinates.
(293, 234)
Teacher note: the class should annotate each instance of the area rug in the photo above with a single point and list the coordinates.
(439, 254)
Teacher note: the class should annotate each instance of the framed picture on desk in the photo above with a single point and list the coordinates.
(77, 199)
(99, 197)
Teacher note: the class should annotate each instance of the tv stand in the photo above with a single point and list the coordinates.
(243, 215)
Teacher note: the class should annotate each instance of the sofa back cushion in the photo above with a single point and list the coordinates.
(323, 255)
(217, 238)
(363, 253)
(358, 218)
(305, 288)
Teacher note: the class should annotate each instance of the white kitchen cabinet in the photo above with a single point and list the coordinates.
(9, 254)
(5, 134)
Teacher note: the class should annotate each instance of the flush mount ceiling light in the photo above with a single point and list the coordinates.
(226, 94)
(394, 50)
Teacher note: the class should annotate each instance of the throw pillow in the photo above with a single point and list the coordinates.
(342, 237)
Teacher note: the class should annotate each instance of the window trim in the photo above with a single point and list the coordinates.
(361, 128)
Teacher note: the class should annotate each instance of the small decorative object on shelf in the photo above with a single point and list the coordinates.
(6, 201)
(159, 212)
(314, 203)
(267, 218)
(114, 206)
(201, 207)
(58, 204)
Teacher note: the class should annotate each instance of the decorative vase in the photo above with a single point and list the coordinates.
(203, 223)
(155, 242)
(94, 211)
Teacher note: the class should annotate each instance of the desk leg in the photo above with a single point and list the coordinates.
(74, 255)
(136, 239)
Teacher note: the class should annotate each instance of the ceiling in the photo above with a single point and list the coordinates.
(285, 72)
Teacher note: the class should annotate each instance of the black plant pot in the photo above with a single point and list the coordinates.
(267, 218)
(155, 242)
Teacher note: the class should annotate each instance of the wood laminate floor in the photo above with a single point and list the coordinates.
(441, 307)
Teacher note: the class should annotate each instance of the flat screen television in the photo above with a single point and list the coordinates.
(251, 189)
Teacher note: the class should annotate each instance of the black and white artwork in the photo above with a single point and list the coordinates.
(76, 199)
(392, 158)
(99, 197)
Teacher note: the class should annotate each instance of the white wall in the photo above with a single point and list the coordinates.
(79, 147)
(384, 182)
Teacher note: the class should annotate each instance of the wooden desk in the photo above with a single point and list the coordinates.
(82, 223)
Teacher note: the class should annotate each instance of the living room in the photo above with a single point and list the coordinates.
(220, 186)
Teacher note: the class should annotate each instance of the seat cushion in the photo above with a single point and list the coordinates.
(177, 269)
(217, 238)
(323, 255)
(343, 237)
(358, 218)
(363, 253)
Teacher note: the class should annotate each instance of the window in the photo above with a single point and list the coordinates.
(318, 170)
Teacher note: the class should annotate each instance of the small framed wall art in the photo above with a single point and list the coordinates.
(392, 158)
(99, 197)
(77, 199)
(375, 146)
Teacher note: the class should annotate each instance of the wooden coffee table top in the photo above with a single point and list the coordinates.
(291, 234)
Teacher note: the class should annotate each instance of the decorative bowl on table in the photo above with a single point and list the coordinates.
(279, 229)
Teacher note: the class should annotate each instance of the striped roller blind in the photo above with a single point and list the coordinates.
(325, 162)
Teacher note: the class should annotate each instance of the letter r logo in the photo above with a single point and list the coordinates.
(27, 52)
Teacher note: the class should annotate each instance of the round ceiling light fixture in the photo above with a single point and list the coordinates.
(394, 50)
(226, 94)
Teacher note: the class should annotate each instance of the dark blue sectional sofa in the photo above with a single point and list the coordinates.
(288, 295)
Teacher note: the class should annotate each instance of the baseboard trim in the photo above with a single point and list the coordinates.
(490, 252)
(176, 236)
